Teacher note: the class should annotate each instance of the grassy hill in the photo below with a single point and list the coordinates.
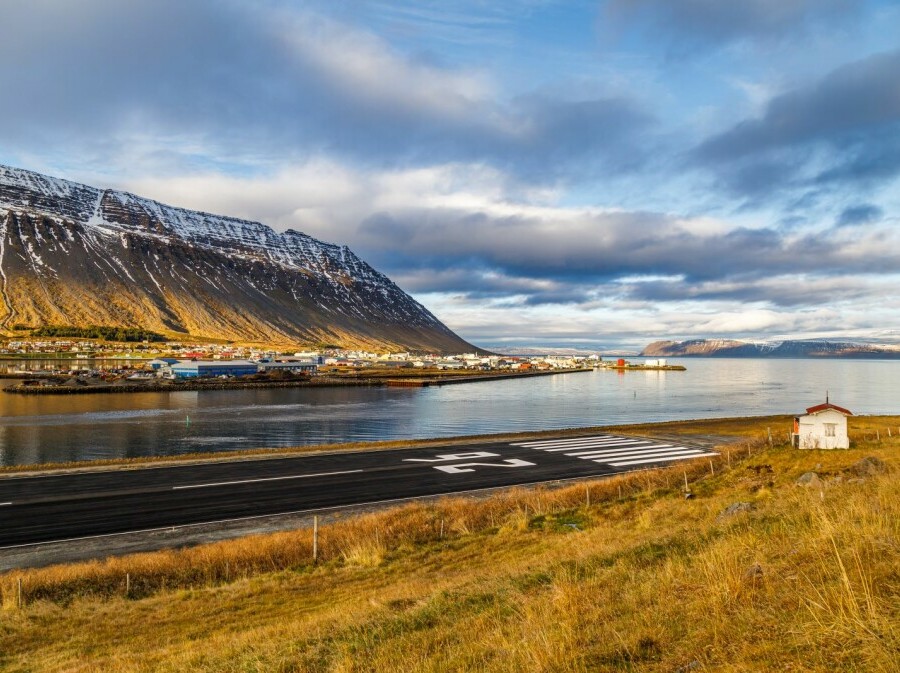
(622, 574)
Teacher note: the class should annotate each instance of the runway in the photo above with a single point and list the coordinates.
(40, 509)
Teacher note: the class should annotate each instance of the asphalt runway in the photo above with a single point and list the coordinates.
(71, 506)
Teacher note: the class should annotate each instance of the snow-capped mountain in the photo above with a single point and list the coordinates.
(797, 348)
(76, 255)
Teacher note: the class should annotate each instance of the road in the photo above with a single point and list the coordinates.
(40, 509)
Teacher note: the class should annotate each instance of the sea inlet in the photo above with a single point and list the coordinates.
(42, 429)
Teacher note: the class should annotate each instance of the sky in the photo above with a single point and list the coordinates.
(590, 174)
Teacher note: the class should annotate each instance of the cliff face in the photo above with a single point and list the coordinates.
(75, 255)
(783, 349)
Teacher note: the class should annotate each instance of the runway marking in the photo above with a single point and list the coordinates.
(603, 445)
(252, 481)
(672, 451)
(599, 447)
(657, 460)
(617, 451)
(621, 453)
(5, 503)
(466, 467)
(563, 442)
(443, 457)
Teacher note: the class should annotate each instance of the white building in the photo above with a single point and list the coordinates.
(823, 427)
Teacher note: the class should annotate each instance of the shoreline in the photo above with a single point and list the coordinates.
(699, 426)
(318, 381)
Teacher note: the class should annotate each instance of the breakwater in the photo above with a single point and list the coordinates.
(316, 382)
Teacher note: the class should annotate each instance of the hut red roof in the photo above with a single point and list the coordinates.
(828, 405)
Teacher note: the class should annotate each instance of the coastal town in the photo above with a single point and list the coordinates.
(73, 366)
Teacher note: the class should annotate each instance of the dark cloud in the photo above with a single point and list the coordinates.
(864, 213)
(784, 292)
(843, 129)
(245, 83)
(596, 254)
(687, 26)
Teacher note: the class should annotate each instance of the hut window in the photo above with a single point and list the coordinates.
(829, 429)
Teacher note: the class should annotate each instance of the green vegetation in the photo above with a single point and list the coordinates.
(103, 332)
(640, 579)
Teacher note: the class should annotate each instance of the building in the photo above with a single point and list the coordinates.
(161, 363)
(823, 427)
(192, 369)
(301, 366)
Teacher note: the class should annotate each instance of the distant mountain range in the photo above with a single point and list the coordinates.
(804, 348)
(76, 255)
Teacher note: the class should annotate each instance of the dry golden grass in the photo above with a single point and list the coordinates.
(527, 580)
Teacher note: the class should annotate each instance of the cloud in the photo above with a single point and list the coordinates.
(842, 129)
(171, 85)
(472, 232)
(785, 291)
(864, 213)
(688, 25)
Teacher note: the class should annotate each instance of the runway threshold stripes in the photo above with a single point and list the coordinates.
(617, 451)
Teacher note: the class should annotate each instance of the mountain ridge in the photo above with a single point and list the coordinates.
(71, 254)
(789, 348)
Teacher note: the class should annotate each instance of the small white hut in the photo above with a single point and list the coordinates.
(823, 427)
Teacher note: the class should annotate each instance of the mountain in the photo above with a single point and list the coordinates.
(75, 255)
(804, 348)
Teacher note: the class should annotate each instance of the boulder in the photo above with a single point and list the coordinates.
(869, 466)
(734, 509)
(810, 480)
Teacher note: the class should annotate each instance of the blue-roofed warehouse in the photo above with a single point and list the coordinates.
(191, 369)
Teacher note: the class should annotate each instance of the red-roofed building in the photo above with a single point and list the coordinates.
(823, 427)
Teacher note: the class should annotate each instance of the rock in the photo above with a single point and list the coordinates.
(810, 480)
(754, 572)
(868, 467)
(692, 666)
(734, 509)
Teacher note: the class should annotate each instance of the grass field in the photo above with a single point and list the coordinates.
(622, 574)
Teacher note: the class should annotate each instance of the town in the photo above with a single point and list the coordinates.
(127, 362)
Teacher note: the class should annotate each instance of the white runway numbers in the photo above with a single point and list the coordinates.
(444, 457)
(468, 467)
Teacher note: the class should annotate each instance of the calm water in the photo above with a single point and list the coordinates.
(39, 429)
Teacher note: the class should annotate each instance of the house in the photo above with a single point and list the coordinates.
(823, 427)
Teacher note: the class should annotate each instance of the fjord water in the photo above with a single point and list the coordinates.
(41, 429)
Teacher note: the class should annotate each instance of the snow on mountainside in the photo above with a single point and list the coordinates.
(801, 348)
(75, 255)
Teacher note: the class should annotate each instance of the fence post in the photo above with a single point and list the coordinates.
(712, 470)
(771, 442)
(686, 488)
(19, 593)
(441, 537)
(587, 495)
(127, 584)
(315, 539)
(878, 434)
